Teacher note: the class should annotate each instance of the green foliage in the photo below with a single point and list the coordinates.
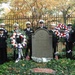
(73, 25)
(62, 39)
(1, 20)
(61, 66)
(62, 54)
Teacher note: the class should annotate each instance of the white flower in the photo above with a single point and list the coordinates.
(56, 53)
(14, 34)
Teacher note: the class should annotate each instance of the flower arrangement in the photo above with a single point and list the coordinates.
(18, 40)
(61, 30)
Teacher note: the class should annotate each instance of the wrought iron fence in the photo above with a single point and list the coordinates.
(10, 20)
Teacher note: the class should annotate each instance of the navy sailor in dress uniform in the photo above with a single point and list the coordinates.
(68, 41)
(28, 31)
(3, 27)
(5, 35)
(71, 42)
(41, 24)
(3, 46)
(55, 39)
(19, 43)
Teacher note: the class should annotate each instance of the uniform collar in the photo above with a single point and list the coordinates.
(28, 29)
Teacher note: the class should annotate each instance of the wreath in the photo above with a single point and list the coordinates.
(61, 30)
(18, 40)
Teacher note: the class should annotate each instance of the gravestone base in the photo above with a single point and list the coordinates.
(43, 59)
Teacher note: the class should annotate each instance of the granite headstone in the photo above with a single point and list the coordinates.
(42, 45)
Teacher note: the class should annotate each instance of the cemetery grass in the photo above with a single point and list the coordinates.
(24, 67)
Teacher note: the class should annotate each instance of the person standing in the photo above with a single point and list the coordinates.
(41, 24)
(2, 25)
(68, 41)
(28, 31)
(55, 39)
(18, 41)
(16, 29)
(5, 36)
(71, 42)
(3, 47)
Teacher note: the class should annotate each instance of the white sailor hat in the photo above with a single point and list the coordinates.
(3, 24)
(15, 24)
(1, 29)
(28, 22)
(41, 21)
(53, 24)
(69, 24)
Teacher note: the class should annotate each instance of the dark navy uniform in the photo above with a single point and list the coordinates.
(6, 34)
(54, 42)
(29, 32)
(3, 47)
(42, 27)
(69, 41)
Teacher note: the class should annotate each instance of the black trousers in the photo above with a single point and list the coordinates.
(3, 55)
(29, 47)
(69, 47)
(54, 50)
(14, 55)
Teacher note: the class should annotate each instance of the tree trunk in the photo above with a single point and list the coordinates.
(64, 17)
